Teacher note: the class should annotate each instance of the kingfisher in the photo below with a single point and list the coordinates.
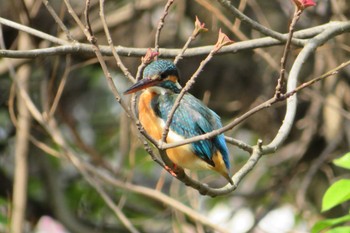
(160, 87)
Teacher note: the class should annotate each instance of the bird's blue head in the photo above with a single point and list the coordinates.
(161, 75)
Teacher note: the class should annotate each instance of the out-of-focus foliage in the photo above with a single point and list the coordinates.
(336, 194)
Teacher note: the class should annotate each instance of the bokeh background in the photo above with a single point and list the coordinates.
(284, 191)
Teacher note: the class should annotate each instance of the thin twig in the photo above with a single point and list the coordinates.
(205, 190)
(21, 148)
(60, 87)
(292, 84)
(255, 25)
(108, 76)
(240, 144)
(75, 16)
(225, 128)
(161, 24)
(309, 83)
(222, 41)
(88, 32)
(281, 79)
(233, 26)
(120, 215)
(58, 20)
(155, 195)
(179, 56)
(199, 27)
(111, 45)
(184, 90)
(33, 31)
(86, 49)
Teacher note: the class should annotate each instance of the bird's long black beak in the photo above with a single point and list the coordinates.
(140, 85)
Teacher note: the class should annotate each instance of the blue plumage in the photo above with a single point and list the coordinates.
(163, 68)
(191, 118)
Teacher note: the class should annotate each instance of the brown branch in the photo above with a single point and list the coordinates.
(86, 49)
(234, 27)
(60, 88)
(155, 195)
(107, 199)
(199, 27)
(309, 83)
(161, 24)
(23, 124)
(111, 45)
(89, 35)
(281, 79)
(58, 20)
(21, 150)
(257, 151)
(255, 25)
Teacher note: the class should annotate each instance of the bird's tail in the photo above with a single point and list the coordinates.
(227, 177)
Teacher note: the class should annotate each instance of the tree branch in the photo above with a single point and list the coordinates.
(304, 54)
(80, 48)
(255, 25)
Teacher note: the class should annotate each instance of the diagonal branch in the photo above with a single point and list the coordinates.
(184, 90)
(281, 79)
(255, 25)
(111, 45)
(161, 24)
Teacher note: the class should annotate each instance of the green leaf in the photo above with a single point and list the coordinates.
(3, 220)
(321, 225)
(337, 193)
(343, 161)
(342, 229)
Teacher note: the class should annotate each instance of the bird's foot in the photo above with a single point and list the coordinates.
(172, 171)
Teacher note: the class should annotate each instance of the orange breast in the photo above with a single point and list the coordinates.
(183, 156)
(147, 117)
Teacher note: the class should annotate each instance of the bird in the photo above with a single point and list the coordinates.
(159, 88)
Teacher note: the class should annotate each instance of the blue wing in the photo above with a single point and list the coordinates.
(193, 118)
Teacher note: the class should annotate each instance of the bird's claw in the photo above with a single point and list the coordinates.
(172, 171)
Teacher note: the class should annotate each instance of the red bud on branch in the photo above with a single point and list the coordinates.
(302, 4)
(223, 40)
(198, 27)
(149, 56)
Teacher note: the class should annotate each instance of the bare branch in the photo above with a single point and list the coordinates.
(86, 49)
(21, 149)
(111, 45)
(58, 20)
(255, 25)
(199, 27)
(161, 24)
(117, 211)
(309, 48)
(155, 195)
(60, 88)
(281, 79)
(33, 31)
